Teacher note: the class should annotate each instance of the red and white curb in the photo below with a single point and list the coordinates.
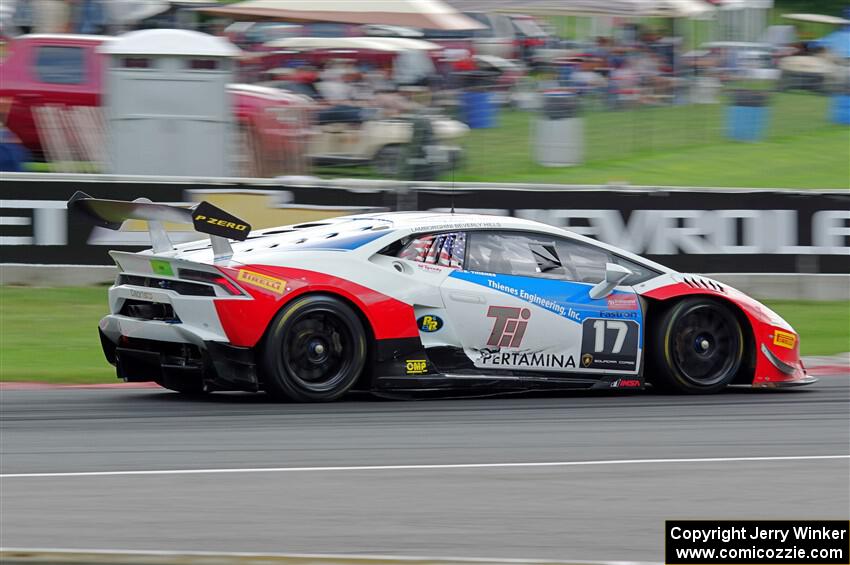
(34, 385)
(831, 365)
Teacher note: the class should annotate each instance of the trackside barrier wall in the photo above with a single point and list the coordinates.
(702, 230)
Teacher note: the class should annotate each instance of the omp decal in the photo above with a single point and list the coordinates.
(509, 326)
(429, 323)
(272, 284)
(525, 359)
(416, 366)
(161, 268)
(784, 339)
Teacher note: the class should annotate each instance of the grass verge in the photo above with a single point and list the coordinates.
(666, 146)
(50, 334)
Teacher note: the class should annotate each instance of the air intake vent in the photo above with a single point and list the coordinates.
(702, 283)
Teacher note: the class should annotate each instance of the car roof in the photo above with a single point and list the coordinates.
(69, 37)
(449, 220)
(373, 231)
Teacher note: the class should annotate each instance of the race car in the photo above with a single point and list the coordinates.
(401, 303)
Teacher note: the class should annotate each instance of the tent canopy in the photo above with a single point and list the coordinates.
(816, 18)
(387, 44)
(624, 8)
(430, 14)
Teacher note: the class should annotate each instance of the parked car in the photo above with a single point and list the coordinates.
(48, 69)
(498, 39)
(341, 138)
(529, 36)
(274, 128)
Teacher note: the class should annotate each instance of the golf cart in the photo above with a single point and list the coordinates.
(825, 64)
(378, 128)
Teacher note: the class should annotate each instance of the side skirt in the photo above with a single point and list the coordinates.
(404, 365)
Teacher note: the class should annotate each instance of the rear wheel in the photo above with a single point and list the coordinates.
(314, 351)
(698, 347)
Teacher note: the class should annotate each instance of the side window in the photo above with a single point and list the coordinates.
(584, 263)
(537, 255)
(502, 26)
(60, 65)
(444, 249)
(639, 272)
(514, 253)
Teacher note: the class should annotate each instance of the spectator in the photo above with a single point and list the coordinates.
(24, 17)
(89, 17)
(13, 154)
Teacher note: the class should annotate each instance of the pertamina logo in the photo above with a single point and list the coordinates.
(277, 286)
(509, 327)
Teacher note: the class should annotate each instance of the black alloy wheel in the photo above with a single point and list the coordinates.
(698, 347)
(314, 351)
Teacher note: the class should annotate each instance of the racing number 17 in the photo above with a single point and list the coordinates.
(600, 326)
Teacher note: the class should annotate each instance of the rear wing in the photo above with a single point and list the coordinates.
(205, 218)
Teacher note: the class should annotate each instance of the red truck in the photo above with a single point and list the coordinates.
(68, 70)
(49, 69)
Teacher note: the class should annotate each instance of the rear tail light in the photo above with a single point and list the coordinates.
(217, 279)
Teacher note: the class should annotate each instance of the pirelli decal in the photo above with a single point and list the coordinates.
(272, 284)
(784, 339)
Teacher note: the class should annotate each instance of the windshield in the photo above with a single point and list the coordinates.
(529, 28)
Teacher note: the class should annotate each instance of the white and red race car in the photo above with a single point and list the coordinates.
(421, 301)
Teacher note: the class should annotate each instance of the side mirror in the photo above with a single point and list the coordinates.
(614, 275)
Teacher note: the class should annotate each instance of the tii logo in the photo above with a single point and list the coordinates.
(509, 327)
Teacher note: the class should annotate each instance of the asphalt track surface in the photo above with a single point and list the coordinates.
(575, 512)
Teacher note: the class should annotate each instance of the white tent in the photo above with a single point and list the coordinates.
(386, 44)
(624, 8)
(434, 14)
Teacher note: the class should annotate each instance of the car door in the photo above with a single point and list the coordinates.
(522, 303)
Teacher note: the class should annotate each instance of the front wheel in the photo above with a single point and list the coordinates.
(314, 351)
(698, 347)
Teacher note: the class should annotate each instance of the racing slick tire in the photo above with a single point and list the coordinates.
(314, 351)
(699, 347)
